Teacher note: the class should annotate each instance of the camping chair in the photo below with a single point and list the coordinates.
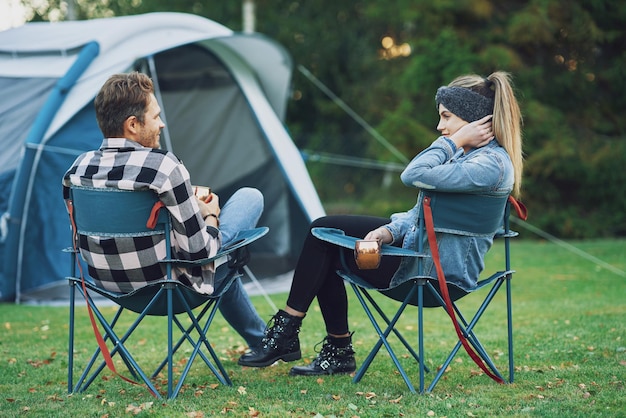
(114, 213)
(439, 211)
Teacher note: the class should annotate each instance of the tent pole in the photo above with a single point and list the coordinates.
(258, 285)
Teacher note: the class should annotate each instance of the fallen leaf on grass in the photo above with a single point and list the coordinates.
(227, 409)
(367, 395)
(397, 400)
(195, 414)
(137, 409)
(336, 397)
(39, 363)
(241, 390)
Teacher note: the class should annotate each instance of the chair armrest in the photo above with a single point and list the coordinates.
(339, 238)
(242, 239)
(501, 234)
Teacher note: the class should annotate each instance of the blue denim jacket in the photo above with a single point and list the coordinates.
(442, 167)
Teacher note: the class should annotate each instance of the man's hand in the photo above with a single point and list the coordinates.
(211, 206)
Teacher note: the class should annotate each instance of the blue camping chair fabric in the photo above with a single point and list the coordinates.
(114, 212)
(471, 214)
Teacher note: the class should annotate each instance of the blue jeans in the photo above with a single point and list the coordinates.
(241, 211)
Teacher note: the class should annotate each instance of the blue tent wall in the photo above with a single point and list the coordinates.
(47, 229)
(32, 264)
(25, 200)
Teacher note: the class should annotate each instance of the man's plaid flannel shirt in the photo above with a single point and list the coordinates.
(125, 264)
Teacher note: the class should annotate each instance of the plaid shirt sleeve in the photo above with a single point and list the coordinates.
(125, 264)
(193, 239)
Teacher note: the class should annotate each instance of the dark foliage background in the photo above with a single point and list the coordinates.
(568, 61)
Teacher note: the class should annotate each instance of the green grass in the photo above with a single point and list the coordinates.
(570, 356)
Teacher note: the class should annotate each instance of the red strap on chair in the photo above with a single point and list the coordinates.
(443, 286)
(154, 214)
(520, 209)
(101, 343)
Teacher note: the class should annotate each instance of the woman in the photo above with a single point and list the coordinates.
(479, 152)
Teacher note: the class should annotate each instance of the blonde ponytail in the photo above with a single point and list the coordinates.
(507, 117)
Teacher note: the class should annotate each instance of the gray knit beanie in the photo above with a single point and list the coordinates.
(465, 103)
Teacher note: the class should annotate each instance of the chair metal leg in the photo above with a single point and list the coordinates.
(170, 355)
(70, 350)
(467, 330)
(382, 340)
(221, 375)
(509, 318)
(395, 330)
(79, 385)
(185, 336)
(131, 364)
(509, 299)
(420, 331)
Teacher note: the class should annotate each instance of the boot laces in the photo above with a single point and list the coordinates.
(273, 332)
(330, 354)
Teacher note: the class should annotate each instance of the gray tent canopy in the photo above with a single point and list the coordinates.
(223, 96)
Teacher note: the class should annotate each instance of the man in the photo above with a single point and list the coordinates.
(129, 158)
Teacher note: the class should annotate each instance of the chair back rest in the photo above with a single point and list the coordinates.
(114, 212)
(467, 213)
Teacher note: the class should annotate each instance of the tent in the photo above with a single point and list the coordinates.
(223, 96)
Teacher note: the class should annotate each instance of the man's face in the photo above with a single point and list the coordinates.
(149, 132)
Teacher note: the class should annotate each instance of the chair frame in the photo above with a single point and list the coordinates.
(423, 292)
(166, 297)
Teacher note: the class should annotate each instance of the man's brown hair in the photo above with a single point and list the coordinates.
(122, 96)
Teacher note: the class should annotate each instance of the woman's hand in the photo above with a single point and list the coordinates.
(382, 235)
(475, 134)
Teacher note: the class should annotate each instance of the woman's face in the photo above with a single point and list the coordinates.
(449, 123)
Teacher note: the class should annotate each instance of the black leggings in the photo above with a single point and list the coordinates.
(315, 273)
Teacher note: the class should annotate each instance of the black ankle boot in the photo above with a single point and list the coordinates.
(279, 343)
(332, 359)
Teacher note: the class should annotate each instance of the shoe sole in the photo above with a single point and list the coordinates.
(286, 358)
